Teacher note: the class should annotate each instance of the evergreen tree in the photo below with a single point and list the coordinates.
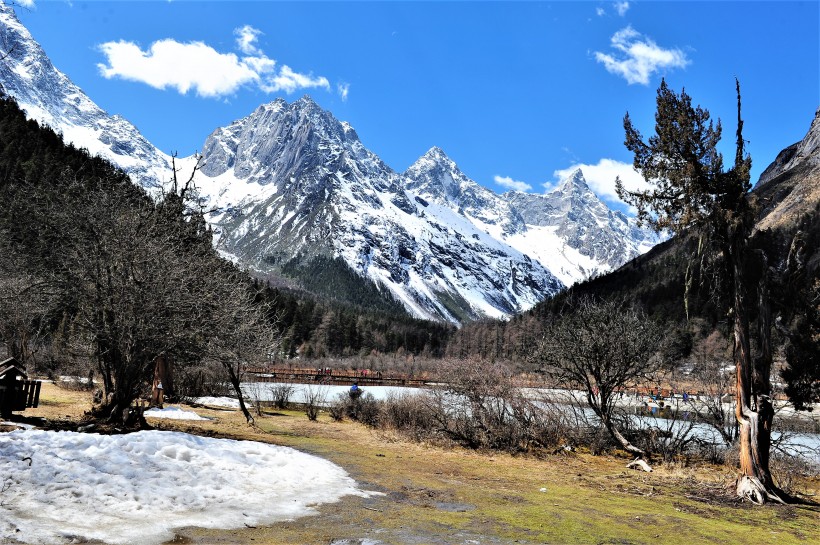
(692, 193)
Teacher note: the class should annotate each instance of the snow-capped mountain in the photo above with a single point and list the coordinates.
(290, 181)
(576, 233)
(569, 230)
(437, 178)
(48, 96)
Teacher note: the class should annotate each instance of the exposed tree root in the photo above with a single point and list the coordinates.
(752, 489)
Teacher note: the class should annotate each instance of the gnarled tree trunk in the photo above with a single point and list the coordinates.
(753, 407)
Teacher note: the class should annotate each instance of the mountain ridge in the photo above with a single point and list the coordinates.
(324, 193)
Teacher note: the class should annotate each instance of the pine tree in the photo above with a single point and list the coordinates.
(692, 194)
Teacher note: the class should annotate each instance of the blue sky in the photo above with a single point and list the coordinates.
(517, 93)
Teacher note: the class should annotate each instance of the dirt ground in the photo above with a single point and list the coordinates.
(432, 495)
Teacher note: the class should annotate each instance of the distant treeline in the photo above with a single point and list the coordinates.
(314, 327)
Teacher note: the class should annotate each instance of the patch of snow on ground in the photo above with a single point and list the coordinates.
(226, 402)
(17, 424)
(137, 488)
(172, 413)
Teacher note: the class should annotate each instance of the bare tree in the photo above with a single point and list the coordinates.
(601, 348)
(241, 336)
(146, 283)
(26, 300)
(713, 374)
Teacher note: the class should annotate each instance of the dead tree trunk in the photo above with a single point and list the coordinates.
(163, 384)
(753, 407)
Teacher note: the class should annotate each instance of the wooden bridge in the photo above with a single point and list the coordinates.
(337, 377)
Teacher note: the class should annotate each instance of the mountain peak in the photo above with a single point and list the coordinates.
(274, 106)
(437, 156)
(574, 182)
(307, 102)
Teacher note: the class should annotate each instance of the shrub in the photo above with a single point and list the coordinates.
(315, 397)
(280, 395)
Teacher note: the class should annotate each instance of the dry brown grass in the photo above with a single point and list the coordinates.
(441, 496)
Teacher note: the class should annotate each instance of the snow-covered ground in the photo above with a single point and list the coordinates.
(68, 487)
(221, 402)
(173, 413)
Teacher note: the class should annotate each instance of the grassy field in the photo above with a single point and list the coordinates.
(443, 496)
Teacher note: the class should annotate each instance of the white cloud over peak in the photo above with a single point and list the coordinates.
(199, 67)
(621, 7)
(246, 38)
(343, 89)
(600, 12)
(181, 66)
(638, 57)
(289, 81)
(601, 178)
(509, 183)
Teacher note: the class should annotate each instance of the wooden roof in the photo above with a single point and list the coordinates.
(12, 366)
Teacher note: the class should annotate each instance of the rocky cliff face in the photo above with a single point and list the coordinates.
(790, 186)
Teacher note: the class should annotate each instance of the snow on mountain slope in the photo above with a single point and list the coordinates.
(290, 181)
(48, 96)
(574, 234)
(437, 178)
(570, 230)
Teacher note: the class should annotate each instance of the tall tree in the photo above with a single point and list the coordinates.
(692, 193)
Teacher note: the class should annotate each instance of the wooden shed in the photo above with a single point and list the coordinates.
(17, 393)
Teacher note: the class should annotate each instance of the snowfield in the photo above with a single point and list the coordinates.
(68, 487)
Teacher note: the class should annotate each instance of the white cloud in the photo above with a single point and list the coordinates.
(289, 81)
(601, 178)
(639, 57)
(26, 3)
(509, 183)
(600, 12)
(181, 66)
(246, 38)
(621, 7)
(343, 89)
(199, 67)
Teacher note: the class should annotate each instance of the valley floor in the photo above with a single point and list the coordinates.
(446, 496)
